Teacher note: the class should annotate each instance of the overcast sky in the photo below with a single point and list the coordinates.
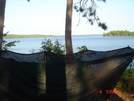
(48, 17)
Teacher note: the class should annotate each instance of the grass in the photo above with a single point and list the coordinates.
(26, 36)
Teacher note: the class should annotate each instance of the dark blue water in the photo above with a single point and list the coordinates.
(98, 43)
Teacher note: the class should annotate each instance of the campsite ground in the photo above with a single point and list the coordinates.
(121, 97)
(126, 96)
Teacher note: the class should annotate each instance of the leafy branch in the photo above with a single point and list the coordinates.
(56, 47)
(82, 48)
(89, 12)
(6, 45)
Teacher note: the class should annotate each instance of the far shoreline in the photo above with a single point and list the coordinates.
(11, 36)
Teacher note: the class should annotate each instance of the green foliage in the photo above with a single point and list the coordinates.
(47, 45)
(10, 44)
(88, 9)
(103, 26)
(82, 48)
(6, 45)
(126, 82)
(119, 33)
(56, 47)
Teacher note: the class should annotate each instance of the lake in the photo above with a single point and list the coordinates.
(97, 43)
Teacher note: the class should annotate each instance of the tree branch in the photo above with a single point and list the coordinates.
(89, 11)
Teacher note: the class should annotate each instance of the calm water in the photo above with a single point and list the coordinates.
(98, 43)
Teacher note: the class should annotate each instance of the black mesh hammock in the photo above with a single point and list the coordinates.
(49, 77)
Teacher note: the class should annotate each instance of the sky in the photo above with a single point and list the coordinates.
(47, 17)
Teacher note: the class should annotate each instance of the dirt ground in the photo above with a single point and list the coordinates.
(121, 97)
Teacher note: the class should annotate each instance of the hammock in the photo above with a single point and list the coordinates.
(48, 77)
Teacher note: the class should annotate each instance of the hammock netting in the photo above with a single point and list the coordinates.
(45, 76)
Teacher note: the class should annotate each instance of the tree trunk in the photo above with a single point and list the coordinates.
(68, 27)
(2, 13)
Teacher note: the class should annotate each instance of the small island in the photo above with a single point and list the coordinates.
(119, 33)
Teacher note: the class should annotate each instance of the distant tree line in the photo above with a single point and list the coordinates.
(119, 33)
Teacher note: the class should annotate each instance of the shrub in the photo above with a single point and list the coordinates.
(126, 82)
(82, 48)
(56, 47)
(6, 45)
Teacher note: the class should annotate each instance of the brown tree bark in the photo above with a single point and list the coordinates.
(68, 27)
(2, 13)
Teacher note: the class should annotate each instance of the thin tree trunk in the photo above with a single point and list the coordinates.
(68, 27)
(2, 13)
